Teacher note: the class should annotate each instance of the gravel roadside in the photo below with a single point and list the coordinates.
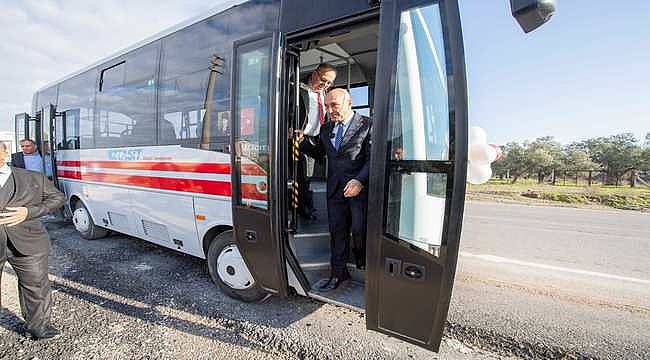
(123, 298)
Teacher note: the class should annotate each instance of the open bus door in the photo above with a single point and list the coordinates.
(21, 124)
(51, 121)
(27, 127)
(418, 170)
(256, 185)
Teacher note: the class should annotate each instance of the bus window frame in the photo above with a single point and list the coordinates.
(104, 70)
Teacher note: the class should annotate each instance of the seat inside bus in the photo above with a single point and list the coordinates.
(353, 52)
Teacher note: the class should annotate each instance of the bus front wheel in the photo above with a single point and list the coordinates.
(85, 225)
(229, 271)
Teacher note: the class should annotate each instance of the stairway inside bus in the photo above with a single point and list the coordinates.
(311, 246)
(352, 49)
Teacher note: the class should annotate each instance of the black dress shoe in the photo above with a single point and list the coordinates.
(333, 282)
(47, 332)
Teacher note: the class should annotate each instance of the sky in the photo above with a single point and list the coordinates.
(584, 74)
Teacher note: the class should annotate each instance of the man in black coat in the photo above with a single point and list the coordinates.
(345, 140)
(312, 117)
(24, 197)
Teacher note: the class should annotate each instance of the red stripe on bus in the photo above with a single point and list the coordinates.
(207, 168)
(221, 188)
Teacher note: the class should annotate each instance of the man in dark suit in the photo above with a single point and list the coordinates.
(345, 140)
(27, 147)
(312, 117)
(30, 158)
(24, 197)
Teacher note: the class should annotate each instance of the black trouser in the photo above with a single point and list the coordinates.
(346, 216)
(33, 286)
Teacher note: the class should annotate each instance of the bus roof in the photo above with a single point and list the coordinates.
(225, 5)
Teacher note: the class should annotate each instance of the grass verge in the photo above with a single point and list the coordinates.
(580, 196)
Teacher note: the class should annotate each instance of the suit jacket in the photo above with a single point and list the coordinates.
(18, 160)
(351, 161)
(303, 102)
(35, 192)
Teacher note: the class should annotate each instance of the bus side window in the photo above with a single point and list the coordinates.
(194, 91)
(360, 102)
(76, 99)
(126, 100)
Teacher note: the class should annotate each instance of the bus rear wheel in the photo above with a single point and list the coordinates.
(84, 223)
(229, 271)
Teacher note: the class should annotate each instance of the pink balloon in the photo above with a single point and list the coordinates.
(481, 154)
(498, 150)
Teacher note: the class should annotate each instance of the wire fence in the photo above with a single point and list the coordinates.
(562, 177)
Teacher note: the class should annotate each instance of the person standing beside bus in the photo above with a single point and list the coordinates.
(312, 116)
(345, 141)
(30, 159)
(24, 197)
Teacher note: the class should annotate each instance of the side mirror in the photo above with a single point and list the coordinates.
(531, 14)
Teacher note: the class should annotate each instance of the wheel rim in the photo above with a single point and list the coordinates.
(81, 220)
(232, 270)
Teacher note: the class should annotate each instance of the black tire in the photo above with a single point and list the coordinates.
(226, 243)
(92, 231)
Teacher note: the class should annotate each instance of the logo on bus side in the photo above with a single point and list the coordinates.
(125, 155)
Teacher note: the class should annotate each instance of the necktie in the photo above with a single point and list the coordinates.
(339, 136)
(321, 116)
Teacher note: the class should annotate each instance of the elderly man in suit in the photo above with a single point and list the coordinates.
(24, 197)
(345, 140)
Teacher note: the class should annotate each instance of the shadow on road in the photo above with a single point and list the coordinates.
(168, 288)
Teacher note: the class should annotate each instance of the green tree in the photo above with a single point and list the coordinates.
(514, 160)
(645, 159)
(576, 157)
(543, 156)
(617, 155)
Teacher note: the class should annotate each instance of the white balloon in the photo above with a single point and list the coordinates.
(477, 135)
(478, 174)
(481, 154)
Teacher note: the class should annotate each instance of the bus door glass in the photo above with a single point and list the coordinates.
(255, 83)
(417, 185)
(291, 110)
(33, 128)
(21, 124)
(48, 129)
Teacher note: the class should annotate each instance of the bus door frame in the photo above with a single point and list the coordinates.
(408, 289)
(27, 134)
(259, 232)
(289, 119)
(50, 112)
(18, 135)
(297, 278)
(289, 116)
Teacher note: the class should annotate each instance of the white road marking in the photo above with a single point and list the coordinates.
(498, 259)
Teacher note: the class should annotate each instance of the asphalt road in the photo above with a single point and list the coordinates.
(556, 278)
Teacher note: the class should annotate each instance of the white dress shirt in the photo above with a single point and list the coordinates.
(312, 126)
(5, 173)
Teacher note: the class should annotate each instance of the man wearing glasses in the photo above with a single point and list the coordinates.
(312, 116)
